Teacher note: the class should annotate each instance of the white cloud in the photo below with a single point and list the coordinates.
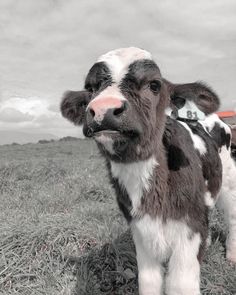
(12, 115)
(33, 114)
(33, 106)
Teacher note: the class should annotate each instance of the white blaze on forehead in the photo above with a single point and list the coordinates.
(119, 60)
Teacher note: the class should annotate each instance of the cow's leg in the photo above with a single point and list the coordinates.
(150, 275)
(183, 275)
(227, 202)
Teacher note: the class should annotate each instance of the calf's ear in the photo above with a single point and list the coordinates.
(73, 105)
(206, 99)
(201, 94)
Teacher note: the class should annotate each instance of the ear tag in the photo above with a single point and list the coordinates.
(190, 112)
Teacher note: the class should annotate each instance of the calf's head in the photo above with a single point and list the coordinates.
(123, 104)
(198, 93)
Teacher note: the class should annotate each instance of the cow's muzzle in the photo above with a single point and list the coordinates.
(112, 117)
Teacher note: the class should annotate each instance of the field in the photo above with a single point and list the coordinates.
(61, 231)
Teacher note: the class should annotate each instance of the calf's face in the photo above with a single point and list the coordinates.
(122, 106)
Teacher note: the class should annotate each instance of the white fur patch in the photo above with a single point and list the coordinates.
(107, 143)
(184, 269)
(210, 122)
(160, 238)
(227, 201)
(134, 177)
(150, 274)
(155, 242)
(100, 116)
(119, 60)
(209, 201)
(168, 111)
(198, 142)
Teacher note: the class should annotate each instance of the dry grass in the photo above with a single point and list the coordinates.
(55, 202)
(57, 209)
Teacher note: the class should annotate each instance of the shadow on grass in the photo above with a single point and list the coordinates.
(111, 270)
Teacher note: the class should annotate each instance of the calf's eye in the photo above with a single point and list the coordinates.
(155, 86)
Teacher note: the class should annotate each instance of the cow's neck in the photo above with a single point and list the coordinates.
(145, 182)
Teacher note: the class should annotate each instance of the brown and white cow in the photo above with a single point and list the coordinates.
(166, 173)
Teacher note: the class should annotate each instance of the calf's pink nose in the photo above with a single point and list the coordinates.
(99, 107)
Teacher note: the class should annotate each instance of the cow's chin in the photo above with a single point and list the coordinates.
(114, 144)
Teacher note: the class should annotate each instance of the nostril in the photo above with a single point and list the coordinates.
(119, 111)
(92, 112)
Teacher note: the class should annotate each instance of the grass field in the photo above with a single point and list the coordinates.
(61, 231)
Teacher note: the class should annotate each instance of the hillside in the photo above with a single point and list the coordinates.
(10, 136)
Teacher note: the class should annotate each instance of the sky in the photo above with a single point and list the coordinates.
(48, 46)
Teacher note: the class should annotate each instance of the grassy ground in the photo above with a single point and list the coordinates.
(61, 231)
(55, 202)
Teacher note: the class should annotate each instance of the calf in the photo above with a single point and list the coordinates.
(166, 173)
(223, 136)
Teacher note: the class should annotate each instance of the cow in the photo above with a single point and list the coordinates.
(166, 170)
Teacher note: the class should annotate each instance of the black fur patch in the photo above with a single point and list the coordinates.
(74, 104)
(220, 136)
(98, 78)
(176, 158)
(123, 200)
(122, 196)
(139, 72)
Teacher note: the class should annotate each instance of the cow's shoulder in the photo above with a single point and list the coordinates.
(219, 131)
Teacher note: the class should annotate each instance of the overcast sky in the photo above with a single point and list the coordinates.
(47, 47)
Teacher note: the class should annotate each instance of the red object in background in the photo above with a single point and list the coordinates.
(226, 114)
(229, 117)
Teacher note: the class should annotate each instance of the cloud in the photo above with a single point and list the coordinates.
(35, 115)
(30, 111)
(34, 106)
(55, 107)
(12, 115)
